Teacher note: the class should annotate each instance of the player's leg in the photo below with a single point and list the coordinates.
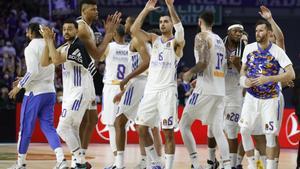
(260, 145)
(167, 108)
(188, 139)
(216, 126)
(29, 111)
(194, 106)
(120, 126)
(231, 128)
(270, 115)
(147, 117)
(46, 116)
(240, 157)
(247, 122)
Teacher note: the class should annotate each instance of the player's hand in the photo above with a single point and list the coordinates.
(150, 5)
(265, 13)
(123, 84)
(187, 76)
(260, 80)
(118, 97)
(193, 83)
(169, 2)
(13, 93)
(288, 84)
(249, 82)
(16, 82)
(112, 21)
(47, 33)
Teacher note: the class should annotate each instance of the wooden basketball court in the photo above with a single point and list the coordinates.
(40, 156)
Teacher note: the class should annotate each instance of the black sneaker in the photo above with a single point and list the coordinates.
(212, 165)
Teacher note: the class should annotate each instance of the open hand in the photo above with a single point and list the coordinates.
(150, 5)
(265, 12)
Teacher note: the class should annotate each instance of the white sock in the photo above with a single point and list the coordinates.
(277, 162)
(78, 156)
(21, 159)
(195, 160)
(59, 154)
(264, 160)
(212, 154)
(239, 160)
(251, 162)
(73, 162)
(233, 159)
(271, 164)
(151, 152)
(120, 159)
(82, 155)
(169, 161)
(226, 165)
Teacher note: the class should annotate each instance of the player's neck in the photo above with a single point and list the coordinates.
(88, 21)
(119, 40)
(205, 29)
(166, 36)
(264, 45)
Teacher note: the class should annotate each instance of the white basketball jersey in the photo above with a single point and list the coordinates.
(232, 78)
(116, 63)
(135, 60)
(76, 79)
(163, 65)
(211, 81)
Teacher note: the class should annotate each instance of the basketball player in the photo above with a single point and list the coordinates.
(76, 83)
(276, 37)
(89, 14)
(206, 101)
(160, 95)
(262, 61)
(116, 69)
(127, 109)
(39, 100)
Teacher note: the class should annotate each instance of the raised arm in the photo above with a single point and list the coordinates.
(266, 14)
(179, 30)
(137, 25)
(141, 48)
(45, 59)
(84, 35)
(56, 56)
(202, 45)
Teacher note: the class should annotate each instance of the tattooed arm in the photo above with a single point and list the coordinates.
(202, 46)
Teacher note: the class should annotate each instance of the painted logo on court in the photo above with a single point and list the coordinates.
(292, 129)
(102, 129)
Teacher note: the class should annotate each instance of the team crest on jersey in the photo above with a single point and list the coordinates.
(168, 44)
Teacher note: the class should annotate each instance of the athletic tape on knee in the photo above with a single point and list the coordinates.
(246, 139)
(231, 131)
(271, 141)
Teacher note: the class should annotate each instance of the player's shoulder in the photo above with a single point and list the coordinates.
(276, 48)
(251, 46)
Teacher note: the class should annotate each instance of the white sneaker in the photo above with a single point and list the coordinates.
(61, 165)
(156, 165)
(141, 165)
(16, 166)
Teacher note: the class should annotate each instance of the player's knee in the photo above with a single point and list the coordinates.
(169, 135)
(271, 140)
(232, 132)
(92, 117)
(143, 130)
(245, 132)
(120, 123)
(62, 129)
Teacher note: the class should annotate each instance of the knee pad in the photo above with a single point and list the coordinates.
(210, 133)
(247, 139)
(271, 140)
(231, 131)
(62, 129)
